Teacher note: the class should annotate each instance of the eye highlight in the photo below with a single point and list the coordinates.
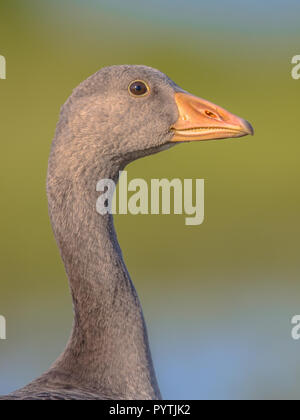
(138, 88)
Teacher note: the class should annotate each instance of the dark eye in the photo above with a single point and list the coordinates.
(138, 88)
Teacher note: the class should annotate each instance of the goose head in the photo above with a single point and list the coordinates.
(129, 111)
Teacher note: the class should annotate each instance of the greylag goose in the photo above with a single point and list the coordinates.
(119, 114)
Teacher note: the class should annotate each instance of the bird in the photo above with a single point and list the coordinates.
(119, 114)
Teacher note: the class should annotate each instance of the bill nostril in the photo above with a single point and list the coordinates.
(210, 114)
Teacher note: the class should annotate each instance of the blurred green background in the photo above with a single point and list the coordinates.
(218, 298)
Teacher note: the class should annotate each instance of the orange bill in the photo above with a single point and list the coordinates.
(202, 120)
